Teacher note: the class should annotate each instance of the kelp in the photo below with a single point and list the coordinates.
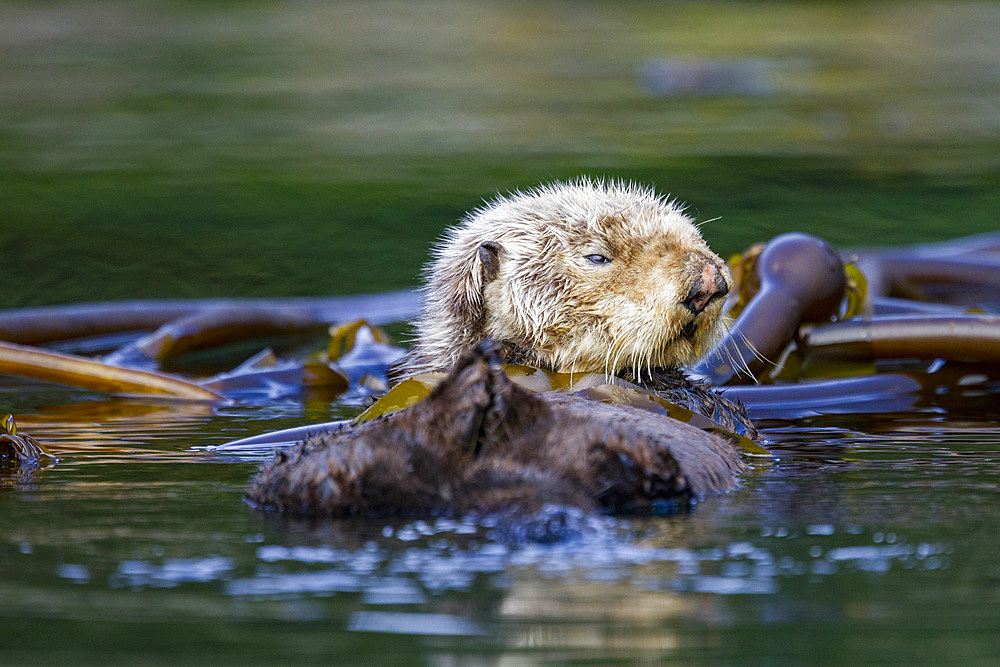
(798, 278)
(344, 336)
(278, 378)
(963, 338)
(96, 376)
(262, 373)
(962, 271)
(857, 298)
(213, 328)
(789, 328)
(881, 392)
(20, 449)
(45, 324)
(356, 358)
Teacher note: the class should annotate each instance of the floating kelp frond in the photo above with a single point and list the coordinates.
(857, 299)
(969, 338)
(364, 353)
(743, 268)
(21, 447)
(343, 337)
(212, 328)
(408, 392)
(43, 324)
(89, 374)
(801, 280)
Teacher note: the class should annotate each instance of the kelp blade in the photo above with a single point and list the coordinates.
(89, 374)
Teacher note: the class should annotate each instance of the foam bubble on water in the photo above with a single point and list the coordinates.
(412, 623)
(78, 574)
(321, 582)
(171, 572)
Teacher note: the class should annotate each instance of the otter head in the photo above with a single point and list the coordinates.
(582, 276)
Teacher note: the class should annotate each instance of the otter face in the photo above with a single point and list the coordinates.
(582, 276)
(608, 286)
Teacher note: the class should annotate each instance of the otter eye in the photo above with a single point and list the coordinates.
(597, 259)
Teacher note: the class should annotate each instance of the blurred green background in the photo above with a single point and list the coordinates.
(175, 149)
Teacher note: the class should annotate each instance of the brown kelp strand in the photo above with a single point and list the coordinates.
(955, 280)
(215, 327)
(96, 376)
(977, 244)
(887, 305)
(801, 279)
(968, 338)
(883, 392)
(44, 324)
(984, 244)
(283, 438)
(287, 378)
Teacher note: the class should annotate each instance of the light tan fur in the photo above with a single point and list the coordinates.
(538, 292)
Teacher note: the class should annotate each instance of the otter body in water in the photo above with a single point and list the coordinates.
(479, 445)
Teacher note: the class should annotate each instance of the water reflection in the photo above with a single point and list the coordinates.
(856, 511)
(411, 624)
(389, 574)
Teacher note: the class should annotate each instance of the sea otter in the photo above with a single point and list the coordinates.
(479, 445)
(585, 276)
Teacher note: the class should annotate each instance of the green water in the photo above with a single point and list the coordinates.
(166, 149)
(161, 149)
(872, 539)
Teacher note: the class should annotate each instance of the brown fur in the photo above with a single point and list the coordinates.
(480, 445)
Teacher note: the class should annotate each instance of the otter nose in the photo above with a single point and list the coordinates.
(708, 285)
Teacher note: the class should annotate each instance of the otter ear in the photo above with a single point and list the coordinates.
(466, 279)
(489, 255)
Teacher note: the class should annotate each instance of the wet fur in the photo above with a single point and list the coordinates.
(480, 445)
(516, 270)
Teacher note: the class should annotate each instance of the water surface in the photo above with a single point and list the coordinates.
(872, 537)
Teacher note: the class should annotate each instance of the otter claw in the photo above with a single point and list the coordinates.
(490, 350)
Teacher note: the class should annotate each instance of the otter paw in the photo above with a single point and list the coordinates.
(626, 486)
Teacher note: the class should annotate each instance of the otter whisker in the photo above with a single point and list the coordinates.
(734, 354)
(753, 349)
(619, 356)
(608, 370)
(734, 357)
